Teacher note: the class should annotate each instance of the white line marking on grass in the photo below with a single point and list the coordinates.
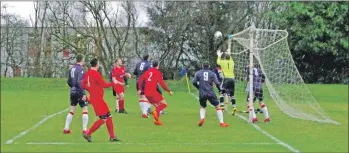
(35, 126)
(128, 143)
(265, 133)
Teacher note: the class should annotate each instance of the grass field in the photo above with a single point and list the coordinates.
(33, 116)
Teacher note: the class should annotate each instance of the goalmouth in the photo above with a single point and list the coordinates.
(269, 49)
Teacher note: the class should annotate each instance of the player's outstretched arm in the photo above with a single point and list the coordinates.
(100, 80)
(162, 83)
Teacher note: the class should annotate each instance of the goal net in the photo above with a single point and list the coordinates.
(283, 82)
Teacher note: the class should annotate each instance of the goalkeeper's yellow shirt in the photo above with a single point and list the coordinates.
(227, 67)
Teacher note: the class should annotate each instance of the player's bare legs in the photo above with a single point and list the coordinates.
(122, 103)
(96, 125)
(158, 108)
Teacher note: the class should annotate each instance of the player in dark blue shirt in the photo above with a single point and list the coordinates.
(140, 68)
(77, 94)
(203, 81)
(258, 79)
(222, 93)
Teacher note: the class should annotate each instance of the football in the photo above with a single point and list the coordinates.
(217, 35)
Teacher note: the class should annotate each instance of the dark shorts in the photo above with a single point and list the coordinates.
(257, 94)
(211, 97)
(105, 116)
(228, 86)
(114, 93)
(76, 98)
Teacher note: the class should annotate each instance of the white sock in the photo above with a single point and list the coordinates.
(202, 113)
(84, 121)
(265, 110)
(147, 106)
(220, 116)
(117, 103)
(68, 120)
(144, 107)
(252, 114)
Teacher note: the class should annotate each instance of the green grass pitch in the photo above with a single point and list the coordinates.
(26, 102)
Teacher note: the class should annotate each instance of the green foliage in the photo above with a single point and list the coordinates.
(318, 38)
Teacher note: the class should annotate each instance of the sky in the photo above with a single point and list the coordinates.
(25, 9)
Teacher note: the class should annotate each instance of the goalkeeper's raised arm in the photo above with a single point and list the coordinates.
(227, 64)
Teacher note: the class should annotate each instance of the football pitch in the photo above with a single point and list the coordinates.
(33, 115)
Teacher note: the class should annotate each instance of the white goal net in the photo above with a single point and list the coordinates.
(282, 80)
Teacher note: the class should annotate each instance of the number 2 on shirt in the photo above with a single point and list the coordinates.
(150, 75)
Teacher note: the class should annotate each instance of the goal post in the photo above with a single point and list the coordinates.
(269, 49)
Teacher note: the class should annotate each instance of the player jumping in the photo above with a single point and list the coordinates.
(206, 78)
(151, 78)
(228, 84)
(258, 79)
(140, 68)
(119, 75)
(77, 94)
(94, 84)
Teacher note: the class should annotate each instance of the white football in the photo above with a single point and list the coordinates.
(217, 35)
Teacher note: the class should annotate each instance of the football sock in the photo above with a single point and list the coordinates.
(68, 120)
(110, 127)
(160, 108)
(232, 99)
(265, 110)
(251, 112)
(117, 104)
(84, 120)
(202, 113)
(95, 126)
(144, 106)
(121, 104)
(220, 115)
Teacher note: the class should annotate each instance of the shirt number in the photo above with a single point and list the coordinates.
(205, 76)
(142, 66)
(150, 75)
(72, 72)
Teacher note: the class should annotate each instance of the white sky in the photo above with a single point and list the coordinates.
(25, 9)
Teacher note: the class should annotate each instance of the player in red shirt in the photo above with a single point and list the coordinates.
(151, 78)
(119, 74)
(94, 84)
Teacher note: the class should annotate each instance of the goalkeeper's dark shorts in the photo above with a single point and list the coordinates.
(228, 86)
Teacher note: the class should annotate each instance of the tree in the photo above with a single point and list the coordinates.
(318, 38)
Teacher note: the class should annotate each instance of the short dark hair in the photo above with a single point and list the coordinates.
(146, 57)
(79, 57)
(94, 62)
(205, 64)
(155, 63)
(225, 56)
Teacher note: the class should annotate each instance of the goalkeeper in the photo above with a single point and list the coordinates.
(226, 63)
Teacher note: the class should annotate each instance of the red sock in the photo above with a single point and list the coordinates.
(110, 127)
(160, 108)
(121, 104)
(95, 126)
